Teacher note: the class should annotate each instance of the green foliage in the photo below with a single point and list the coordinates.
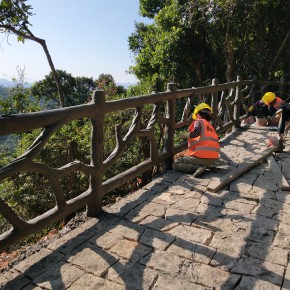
(150, 8)
(138, 90)
(8, 149)
(30, 193)
(3, 92)
(19, 100)
(15, 13)
(77, 90)
(191, 42)
(107, 83)
(169, 50)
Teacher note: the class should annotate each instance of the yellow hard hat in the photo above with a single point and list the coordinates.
(199, 108)
(269, 97)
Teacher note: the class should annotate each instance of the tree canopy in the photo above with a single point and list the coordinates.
(76, 89)
(17, 99)
(190, 41)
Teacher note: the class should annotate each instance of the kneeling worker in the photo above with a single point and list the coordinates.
(203, 142)
(275, 104)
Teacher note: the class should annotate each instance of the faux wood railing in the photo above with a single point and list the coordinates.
(228, 101)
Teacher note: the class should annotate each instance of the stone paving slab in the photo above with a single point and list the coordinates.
(174, 234)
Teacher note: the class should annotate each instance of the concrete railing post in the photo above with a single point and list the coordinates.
(214, 102)
(237, 104)
(97, 152)
(169, 129)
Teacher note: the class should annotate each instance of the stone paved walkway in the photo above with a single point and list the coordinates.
(174, 234)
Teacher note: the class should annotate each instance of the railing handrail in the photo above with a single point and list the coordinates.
(229, 107)
(27, 121)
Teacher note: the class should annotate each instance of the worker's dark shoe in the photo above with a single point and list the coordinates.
(280, 147)
(200, 170)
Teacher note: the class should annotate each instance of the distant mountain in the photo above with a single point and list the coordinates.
(7, 83)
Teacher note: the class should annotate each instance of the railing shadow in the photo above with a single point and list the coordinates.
(131, 227)
(229, 104)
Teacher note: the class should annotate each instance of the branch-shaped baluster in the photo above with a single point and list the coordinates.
(162, 121)
(228, 119)
(186, 109)
(9, 214)
(14, 167)
(243, 101)
(230, 108)
(119, 145)
(153, 145)
(53, 175)
(149, 131)
(41, 140)
(154, 116)
(135, 125)
(76, 166)
(186, 118)
(122, 143)
(24, 161)
(222, 112)
(221, 105)
(231, 96)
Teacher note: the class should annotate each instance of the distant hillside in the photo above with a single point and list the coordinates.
(7, 83)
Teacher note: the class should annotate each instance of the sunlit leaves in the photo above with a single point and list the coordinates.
(149, 8)
(192, 42)
(107, 83)
(15, 13)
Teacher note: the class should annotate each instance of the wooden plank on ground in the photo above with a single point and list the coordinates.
(279, 177)
(221, 182)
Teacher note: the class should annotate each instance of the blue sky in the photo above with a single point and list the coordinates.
(84, 38)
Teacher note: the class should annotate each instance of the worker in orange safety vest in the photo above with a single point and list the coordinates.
(275, 106)
(203, 142)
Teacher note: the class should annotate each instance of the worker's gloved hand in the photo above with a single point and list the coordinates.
(184, 135)
(251, 109)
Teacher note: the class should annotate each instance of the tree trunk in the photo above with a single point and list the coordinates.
(42, 42)
(55, 75)
(230, 59)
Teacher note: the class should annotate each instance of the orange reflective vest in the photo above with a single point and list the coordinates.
(278, 103)
(207, 144)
